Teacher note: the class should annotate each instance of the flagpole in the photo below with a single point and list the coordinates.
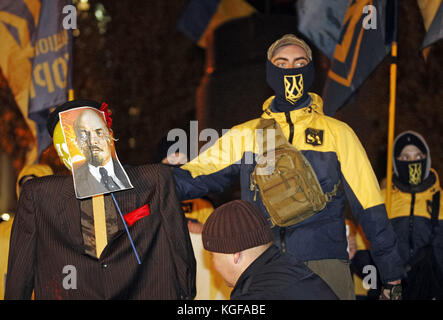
(70, 94)
(392, 104)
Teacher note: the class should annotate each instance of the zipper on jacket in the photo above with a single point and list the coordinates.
(283, 239)
(291, 126)
(411, 225)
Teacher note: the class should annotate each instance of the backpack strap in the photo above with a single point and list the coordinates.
(280, 140)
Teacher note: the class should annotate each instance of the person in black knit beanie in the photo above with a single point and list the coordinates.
(241, 243)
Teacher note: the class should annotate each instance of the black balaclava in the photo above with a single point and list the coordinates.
(411, 173)
(290, 85)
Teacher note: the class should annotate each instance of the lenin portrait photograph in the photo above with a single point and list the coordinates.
(96, 168)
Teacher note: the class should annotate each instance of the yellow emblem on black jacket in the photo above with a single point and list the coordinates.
(314, 136)
(293, 87)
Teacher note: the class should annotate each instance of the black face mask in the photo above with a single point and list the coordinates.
(290, 85)
(411, 172)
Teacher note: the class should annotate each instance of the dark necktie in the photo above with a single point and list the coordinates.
(107, 180)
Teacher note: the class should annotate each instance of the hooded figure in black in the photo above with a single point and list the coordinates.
(415, 199)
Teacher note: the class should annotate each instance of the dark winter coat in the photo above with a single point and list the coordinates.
(280, 276)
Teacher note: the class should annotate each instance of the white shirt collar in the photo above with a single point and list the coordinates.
(109, 166)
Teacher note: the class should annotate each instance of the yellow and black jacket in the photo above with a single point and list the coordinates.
(335, 153)
(410, 217)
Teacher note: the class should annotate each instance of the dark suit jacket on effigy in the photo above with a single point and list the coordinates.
(47, 236)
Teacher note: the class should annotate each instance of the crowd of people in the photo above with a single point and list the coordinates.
(151, 232)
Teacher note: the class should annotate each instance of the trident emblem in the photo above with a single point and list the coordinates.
(414, 173)
(293, 87)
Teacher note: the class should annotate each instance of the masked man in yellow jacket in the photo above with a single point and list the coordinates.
(335, 155)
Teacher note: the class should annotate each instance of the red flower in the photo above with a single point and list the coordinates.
(104, 108)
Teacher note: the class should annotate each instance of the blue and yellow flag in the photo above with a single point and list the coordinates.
(362, 45)
(201, 17)
(35, 57)
(321, 22)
